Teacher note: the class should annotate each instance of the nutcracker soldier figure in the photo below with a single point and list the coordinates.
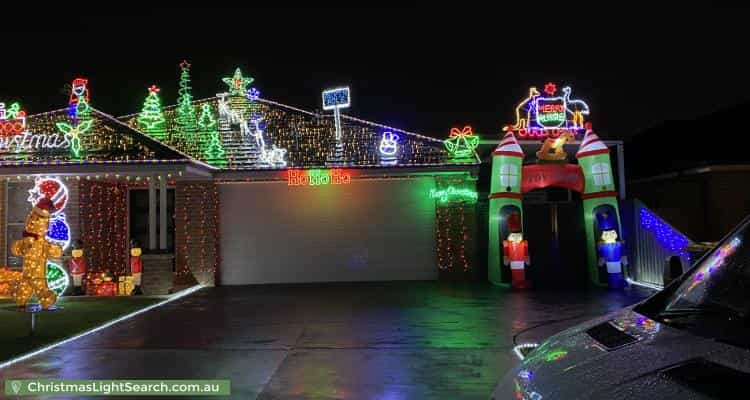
(77, 267)
(611, 251)
(516, 253)
(136, 266)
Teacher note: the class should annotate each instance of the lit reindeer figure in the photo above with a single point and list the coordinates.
(232, 117)
(274, 156)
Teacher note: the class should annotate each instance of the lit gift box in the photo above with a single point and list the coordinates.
(125, 286)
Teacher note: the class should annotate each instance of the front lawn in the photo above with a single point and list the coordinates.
(75, 315)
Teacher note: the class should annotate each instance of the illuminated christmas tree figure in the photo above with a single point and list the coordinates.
(213, 150)
(185, 121)
(206, 122)
(152, 119)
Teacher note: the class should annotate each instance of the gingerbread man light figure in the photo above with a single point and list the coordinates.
(35, 250)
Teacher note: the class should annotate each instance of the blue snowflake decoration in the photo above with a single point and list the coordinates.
(253, 94)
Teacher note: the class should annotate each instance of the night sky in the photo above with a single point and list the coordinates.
(418, 69)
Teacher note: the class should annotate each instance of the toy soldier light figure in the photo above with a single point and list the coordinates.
(77, 267)
(136, 265)
(516, 253)
(611, 251)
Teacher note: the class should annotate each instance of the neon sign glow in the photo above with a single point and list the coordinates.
(540, 116)
(318, 177)
(461, 142)
(388, 144)
(453, 193)
(12, 120)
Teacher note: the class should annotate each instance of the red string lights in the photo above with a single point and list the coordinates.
(197, 206)
(103, 207)
(453, 231)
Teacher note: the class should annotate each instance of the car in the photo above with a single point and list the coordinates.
(689, 341)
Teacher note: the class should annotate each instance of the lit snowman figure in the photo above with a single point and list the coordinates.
(388, 147)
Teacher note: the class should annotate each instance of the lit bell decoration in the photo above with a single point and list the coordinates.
(461, 142)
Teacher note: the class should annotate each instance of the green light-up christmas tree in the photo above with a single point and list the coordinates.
(151, 119)
(213, 150)
(206, 121)
(185, 121)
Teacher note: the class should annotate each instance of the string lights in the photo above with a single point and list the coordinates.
(307, 138)
(197, 207)
(454, 224)
(104, 208)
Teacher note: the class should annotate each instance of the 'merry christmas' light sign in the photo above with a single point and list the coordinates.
(454, 194)
(540, 116)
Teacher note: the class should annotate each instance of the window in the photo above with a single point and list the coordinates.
(508, 175)
(601, 174)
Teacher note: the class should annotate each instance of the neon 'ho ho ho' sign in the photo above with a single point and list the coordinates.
(549, 114)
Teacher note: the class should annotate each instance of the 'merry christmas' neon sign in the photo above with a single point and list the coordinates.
(540, 116)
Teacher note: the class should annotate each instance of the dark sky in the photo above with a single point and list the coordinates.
(418, 69)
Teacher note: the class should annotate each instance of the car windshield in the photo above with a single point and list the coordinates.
(712, 300)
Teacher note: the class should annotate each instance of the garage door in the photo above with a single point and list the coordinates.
(363, 231)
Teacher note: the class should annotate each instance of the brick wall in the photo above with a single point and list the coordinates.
(196, 232)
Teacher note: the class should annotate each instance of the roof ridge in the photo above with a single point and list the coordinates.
(311, 113)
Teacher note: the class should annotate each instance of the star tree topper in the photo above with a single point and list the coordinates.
(238, 83)
(153, 89)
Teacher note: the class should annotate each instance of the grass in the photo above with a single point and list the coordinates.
(74, 315)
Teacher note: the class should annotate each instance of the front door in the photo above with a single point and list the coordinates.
(553, 225)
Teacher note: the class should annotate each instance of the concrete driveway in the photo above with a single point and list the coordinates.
(406, 340)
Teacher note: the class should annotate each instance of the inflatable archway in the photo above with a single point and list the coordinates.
(558, 120)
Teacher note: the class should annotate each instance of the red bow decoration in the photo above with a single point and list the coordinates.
(466, 131)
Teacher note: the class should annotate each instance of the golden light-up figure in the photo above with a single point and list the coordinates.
(35, 250)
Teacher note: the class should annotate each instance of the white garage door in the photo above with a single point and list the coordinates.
(363, 231)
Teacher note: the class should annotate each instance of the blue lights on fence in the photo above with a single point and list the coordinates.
(667, 236)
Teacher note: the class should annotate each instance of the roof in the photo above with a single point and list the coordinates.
(107, 141)
(306, 139)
